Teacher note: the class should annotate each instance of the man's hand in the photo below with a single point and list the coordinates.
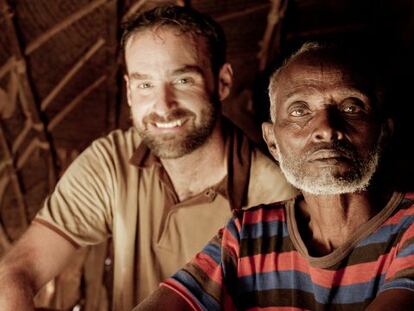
(393, 299)
(36, 258)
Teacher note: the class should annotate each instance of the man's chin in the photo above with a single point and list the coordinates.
(170, 149)
(330, 185)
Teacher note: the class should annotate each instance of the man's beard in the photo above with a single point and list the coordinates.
(172, 146)
(328, 180)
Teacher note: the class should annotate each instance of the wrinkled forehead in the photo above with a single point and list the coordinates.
(322, 70)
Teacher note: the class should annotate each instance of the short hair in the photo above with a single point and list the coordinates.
(186, 21)
(359, 59)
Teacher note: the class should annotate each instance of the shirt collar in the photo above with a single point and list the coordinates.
(238, 149)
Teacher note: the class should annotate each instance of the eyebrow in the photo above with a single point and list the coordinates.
(176, 72)
(188, 69)
(138, 76)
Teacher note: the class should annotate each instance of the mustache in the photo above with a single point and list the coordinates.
(342, 147)
(174, 114)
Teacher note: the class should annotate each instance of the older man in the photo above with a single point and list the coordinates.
(345, 243)
(162, 188)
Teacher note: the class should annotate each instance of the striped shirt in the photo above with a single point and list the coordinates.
(259, 262)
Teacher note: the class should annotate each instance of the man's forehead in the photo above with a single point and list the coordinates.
(166, 43)
(309, 71)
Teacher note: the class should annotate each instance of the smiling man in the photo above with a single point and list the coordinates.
(345, 243)
(160, 189)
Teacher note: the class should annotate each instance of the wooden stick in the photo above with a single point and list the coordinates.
(4, 164)
(32, 46)
(22, 206)
(276, 13)
(78, 99)
(241, 13)
(69, 75)
(22, 135)
(33, 145)
(7, 67)
(27, 99)
(133, 9)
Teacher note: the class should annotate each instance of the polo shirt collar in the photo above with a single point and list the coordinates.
(238, 150)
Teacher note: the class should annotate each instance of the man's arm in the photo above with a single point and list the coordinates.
(163, 299)
(38, 256)
(393, 299)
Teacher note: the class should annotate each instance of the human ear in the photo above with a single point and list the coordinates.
(387, 132)
(128, 89)
(225, 81)
(269, 137)
(389, 125)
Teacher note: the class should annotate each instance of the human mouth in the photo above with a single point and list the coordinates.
(328, 155)
(169, 125)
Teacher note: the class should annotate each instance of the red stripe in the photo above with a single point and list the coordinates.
(408, 234)
(231, 243)
(263, 215)
(209, 266)
(409, 195)
(400, 264)
(399, 215)
(289, 261)
(269, 262)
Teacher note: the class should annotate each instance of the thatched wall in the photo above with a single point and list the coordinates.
(61, 87)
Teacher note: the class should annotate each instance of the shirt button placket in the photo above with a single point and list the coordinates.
(211, 194)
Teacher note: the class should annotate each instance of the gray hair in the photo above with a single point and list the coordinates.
(359, 60)
(304, 49)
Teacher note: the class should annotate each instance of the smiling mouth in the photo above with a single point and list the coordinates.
(169, 125)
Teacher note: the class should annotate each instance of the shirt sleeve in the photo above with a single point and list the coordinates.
(79, 208)
(400, 274)
(204, 282)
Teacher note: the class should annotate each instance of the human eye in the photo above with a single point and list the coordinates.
(184, 81)
(352, 106)
(299, 109)
(144, 85)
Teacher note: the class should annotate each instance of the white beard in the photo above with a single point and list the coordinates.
(327, 182)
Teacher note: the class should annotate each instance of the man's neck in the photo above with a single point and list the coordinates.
(200, 169)
(328, 221)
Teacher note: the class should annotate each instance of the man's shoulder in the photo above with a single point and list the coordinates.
(406, 207)
(265, 212)
(119, 138)
(267, 182)
(114, 148)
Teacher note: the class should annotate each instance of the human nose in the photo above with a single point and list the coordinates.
(164, 100)
(326, 127)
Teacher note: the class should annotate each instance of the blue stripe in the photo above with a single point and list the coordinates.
(354, 293)
(214, 251)
(398, 283)
(266, 229)
(406, 251)
(383, 234)
(205, 301)
(232, 229)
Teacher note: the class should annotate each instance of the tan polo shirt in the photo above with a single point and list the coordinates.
(118, 187)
